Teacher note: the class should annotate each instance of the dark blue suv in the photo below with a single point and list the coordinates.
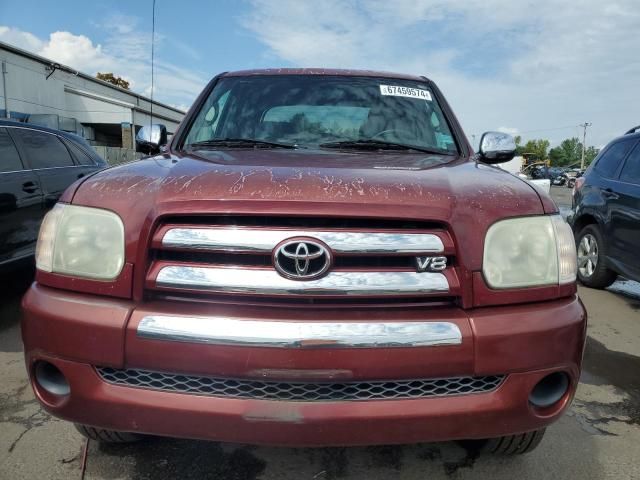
(37, 164)
(606, 214)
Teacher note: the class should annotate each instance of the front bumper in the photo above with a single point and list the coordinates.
(78, 332)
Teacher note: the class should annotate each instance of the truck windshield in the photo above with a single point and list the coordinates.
(318, 111)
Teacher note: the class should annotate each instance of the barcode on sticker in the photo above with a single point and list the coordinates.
(410, 92)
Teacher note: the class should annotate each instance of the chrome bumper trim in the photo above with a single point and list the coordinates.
(264, 241)
(269, 282)
(252, 333)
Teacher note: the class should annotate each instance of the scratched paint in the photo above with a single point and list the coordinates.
(461, 195)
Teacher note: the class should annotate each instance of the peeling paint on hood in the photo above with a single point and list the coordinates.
(450, 190)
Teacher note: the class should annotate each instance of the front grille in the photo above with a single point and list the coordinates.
(240, 256)
(300, 391)
(305, 222)
(371, 262)
(329, 303)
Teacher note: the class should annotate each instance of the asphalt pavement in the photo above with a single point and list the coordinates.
(598, 438)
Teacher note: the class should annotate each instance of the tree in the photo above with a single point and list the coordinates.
(589, 154)
(518, 141)
(568, 153)
(556, 157)
(111, 78)
(535, 149)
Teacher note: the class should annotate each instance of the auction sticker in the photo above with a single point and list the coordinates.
(410, 92)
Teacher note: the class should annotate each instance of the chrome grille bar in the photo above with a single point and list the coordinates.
(283, 334)
(269, 282)
(265, 240)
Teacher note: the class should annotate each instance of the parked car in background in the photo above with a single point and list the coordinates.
(606, 217)
(536, 171)
(570, 176)
(556, 175)
(37, 164)
(553, 174)
(561, 179)
(514, 167)
(541, 170)
(318, 258)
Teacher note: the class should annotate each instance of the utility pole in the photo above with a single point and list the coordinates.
(584, 140)
(7, 112)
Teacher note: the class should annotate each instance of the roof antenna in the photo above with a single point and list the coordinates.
(153, 41)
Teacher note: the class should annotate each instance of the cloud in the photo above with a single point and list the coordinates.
(76, 51)
(125, 52)
(538, 66)
(20, 39)
(509, 130)
(118, 23)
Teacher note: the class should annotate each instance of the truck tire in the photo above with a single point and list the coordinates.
(591, 248)
(514, 444)
(107, 436)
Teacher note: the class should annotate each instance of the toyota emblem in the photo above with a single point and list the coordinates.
(302, 259)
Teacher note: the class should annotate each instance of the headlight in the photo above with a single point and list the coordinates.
(81, 241)
(522, 252)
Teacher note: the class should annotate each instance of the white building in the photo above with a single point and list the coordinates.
(41, 91)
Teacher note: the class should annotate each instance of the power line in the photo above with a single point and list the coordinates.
(584, 141)
(549, 129)
(540, 130)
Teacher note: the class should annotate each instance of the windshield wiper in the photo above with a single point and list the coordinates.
(371, 144)
(237, 143)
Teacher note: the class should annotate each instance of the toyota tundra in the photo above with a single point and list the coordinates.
(317, 258)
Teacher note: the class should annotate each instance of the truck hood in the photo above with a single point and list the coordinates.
(454, 191)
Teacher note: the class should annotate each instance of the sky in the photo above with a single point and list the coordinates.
(533, 68)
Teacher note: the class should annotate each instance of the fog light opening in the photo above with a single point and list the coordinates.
(50, 379)
(549, 390)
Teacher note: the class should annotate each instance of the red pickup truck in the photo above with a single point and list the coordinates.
(317, 258)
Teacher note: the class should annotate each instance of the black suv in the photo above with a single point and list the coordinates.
(37, 164)
(606, 214)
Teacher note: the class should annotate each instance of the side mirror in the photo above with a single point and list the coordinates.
(165, 148)
(496, 147)
(150, 138)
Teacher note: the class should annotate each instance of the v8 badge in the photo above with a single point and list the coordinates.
(431, 264)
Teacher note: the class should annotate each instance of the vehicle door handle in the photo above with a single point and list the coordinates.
(29, 187)
(607, 192)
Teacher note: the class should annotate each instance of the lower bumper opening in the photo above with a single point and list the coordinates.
(550, 390)
(51, 379)
(50, 384)
(300, 391)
